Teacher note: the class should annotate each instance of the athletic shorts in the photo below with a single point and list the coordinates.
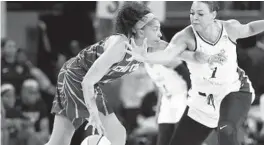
(69, 100)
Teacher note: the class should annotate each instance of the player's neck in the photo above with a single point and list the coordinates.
(139, 42)
(211, 32)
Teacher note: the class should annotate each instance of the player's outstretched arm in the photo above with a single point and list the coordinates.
(170, 53)
(176, 50)
(245, 30)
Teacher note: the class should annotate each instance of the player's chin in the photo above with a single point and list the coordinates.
(197, 27)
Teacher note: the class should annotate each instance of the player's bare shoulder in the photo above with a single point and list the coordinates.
(232, 28)
(189, 37)
(182, 35)
(188, 31)
(230, 24)
(116, 40)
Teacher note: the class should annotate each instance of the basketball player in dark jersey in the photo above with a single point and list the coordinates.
(79, 95)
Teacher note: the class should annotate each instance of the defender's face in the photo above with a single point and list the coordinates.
(201, 16)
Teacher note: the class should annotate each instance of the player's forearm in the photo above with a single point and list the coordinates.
(188, 56)
(88, 94)
(159, 57)
(194, 57)
(256, 27)
(164, 58)
(89, 97)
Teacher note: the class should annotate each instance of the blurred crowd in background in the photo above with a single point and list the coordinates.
(53, 32)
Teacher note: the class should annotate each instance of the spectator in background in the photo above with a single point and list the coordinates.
(15, 68)
(42, 79)
(16, 124)
(260, 41)
(4, 131)
(34, 108)
(11, 71)
(255, 123)
(12, 116)
(147, 127)
(47, 89)
(260, 65)
(8, 96)
(262, 115)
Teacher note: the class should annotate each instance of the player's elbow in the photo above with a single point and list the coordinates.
(251, 30)
(247, 31)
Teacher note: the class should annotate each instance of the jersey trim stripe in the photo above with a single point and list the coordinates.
(195, 43)
(214, 43)
(232, 41)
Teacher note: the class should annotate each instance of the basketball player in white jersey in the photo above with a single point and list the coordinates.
(221, 94)
(173, 85)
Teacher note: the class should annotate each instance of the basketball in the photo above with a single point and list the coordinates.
(95, 140)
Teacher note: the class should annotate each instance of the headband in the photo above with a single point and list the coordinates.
(144, 20)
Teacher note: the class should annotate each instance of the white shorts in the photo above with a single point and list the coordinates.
(171, 110)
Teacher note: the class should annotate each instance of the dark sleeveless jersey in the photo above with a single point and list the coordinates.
(80, 64)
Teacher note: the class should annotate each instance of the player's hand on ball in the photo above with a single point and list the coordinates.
(95, 121)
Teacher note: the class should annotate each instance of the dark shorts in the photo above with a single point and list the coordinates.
(165, 133)
(233, 111)
(69, 100)
(189, 132)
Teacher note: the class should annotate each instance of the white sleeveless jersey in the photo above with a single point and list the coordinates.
(210, 84)
(173, 90)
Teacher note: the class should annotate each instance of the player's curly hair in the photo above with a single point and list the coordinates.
(128, 16)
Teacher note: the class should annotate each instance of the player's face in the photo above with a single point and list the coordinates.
(201, 16)
(152, 32)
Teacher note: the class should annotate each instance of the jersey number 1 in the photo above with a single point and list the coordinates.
(214, 72)
(165, 91)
